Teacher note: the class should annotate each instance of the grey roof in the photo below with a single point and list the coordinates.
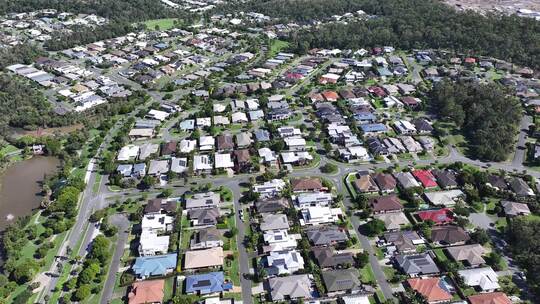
(520, 187)
(417, 264)
(340, 280)
(207, 235)
(203, 200)
(243, 139)
(262, 135)
(326, 235)
(403, 240)
(326, 257)
(271, 204)
(204, 216)
(274, 221)
(295, 286)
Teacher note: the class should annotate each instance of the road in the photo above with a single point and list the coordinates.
(122, 223)
(521, 150)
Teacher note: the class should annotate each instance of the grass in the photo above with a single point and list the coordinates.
(276, 46)
(441, 256)
(389, 272)
(168, 290)
(164, 24)
(8, 149)
(366, 275)
(501, 224)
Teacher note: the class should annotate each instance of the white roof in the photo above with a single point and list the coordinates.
(128, 152)
(151, 242)
(223, 161)
(295, 141)
(179, 165)
(158, 167)
(292, 157)
(159, 115)
(355, 299)
(485, 278)
(202, 162)
(156, 222)
(187, 145)
(267, 155)
(239, 117)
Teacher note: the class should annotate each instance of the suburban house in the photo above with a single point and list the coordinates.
(206, 258)
(203, 200)
(295, 143)
(406, 180)
(341, 281)
(520, 187)
(386, 182)
(513, 209)
(326, 235)
(207, 283)
(290, 287)
(327, 258)
(284, 262)
(204, 217)
(306, 184)
(158, 167)
(179, 165)
(384, 204)
(242, 160)
(313, 199)
(223, 161)
(449, 235)
(146, 292)
(365, 184)
(274, 222)
(393, 220)
(225, 142)
(482, 279)
(271, 205)
(152, 244)
(426, 178)
(206, 238)
(157, 223)
(489, 298)
(279, 240)
(270, 188)
(470, 255)
(403, 241)
(202, 164)
(445, 178)
(151, 266)
(417, 265)
(437, 216)
(320, 215)
(433, 290)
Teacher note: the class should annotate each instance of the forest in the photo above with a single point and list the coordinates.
(483, 113)
(406, 24)
(522, 234)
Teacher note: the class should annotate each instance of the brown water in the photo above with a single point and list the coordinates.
(20, 187)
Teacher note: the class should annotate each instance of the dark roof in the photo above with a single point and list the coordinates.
(153, 206)
(341, 280)
(169, 148)
(385, 203)
(385, 181)
(449, 234)
(306, 184)
(519, 186)
(445, 178)
(326, 235)
(326, 257)
(204, 216)
(242, 155)
(497, 181)
(403, 240)
(422, 125)
(225, 142)
(271, 204)
(417, 264)
(207, 234)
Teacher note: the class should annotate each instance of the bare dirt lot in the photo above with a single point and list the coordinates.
(507, 6)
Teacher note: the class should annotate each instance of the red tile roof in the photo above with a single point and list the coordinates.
(441, 216)
(146, 292)
(490, 298)
(330, 95)
(430, 288)
(426, 178)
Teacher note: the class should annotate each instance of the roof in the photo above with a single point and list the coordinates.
(326, 235)
(385, 203)
(295, 286)
(406, 180)
(431, 289)
(204, 216)
(271, 204)
(394, 220)
(514, 208)
(484, 278)
(154, 265)
(445, 178)
(153, 206)
(225, 142)
(203, 258)
(520, 187)
(274, 221)
(146, 292)
(404, 240)
(439, 216)
(385, 181)
(343, 279)
(242, 155)
(203, 200)
(443, 198)
(449, 234)
(206, 283)
(417, 264)
(426, 178)
(472, 254)
(326, 257)
(306, 184)
(364, 183)
(489, 298)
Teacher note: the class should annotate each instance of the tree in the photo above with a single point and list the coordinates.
(480, 236)
(374, 227)
(82, 292)
(362, 259)
(147, 182)
(329, 168)
(100, 249)
(166, 192)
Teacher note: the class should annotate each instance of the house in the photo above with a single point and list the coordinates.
(142, 133)
(393, 221)
(290, 287)
(433, 290)
(406, 180)
(179, 165)
(156, 205)
(483, 279)
(186, 145)
(279, 240)
(445, 178)
(206, 238)
(470, 255)
(271, 205)
(270, 188)
(278, 114)
(202, 164)
(146, 292)
(438, 216)
(386, 182)
(327, 258)
(384, 204)
(243, 139)
(152, 244)
(445, 198)
(365, 184)
(307, 184)
(449, 235)
(206, 258)
(520, 187)
(319, 215)
(239, 117)
(295, 143)
(151, 266)
(370, 129)
(489, 298)
(157, 223)
(158, 167)
(168, 148)
(313, 199)
(204, 217)
(284, 262)
(262, 135)
(274, 222)
(147, 149)
(354, 154)
(206, 143)
(512, 209)
(326, 235)
(355, 299)
(423, 126)
(225, 142)
(404, 241)
(341, 281)
(268, 157)
(223, 161)
(376, 146)
(404, 127)
(242, 160)
(417, 265)
(288, 132)
(128, 152)
(207, 283)
(297, 158)
(124, 170)
(426, 178)
(203, 200)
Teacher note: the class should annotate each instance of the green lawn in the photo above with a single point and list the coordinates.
(164, 24)
(389, 272)
(366, 275)
(169, 289)
(8, 149)
(440, 255)
(276, 46)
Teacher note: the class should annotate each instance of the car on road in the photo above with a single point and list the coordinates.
(241, 215)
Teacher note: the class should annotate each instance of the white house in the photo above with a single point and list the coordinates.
(483, 278)
(270, 188)
(152, 244)
(319, 215)
(128, 152)
(313, 199)
(285, 262)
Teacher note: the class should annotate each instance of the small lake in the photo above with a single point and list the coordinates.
(20, 187)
